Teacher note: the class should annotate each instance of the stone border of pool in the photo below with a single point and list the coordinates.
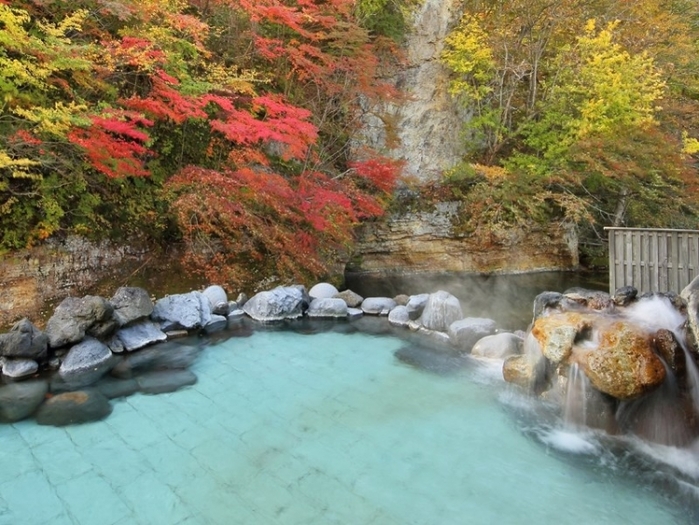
(95, 349)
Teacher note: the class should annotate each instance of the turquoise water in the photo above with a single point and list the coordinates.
(319, 428)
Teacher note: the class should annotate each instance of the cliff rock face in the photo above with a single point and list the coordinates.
(425, 129)
(57, 269)
(414, 242)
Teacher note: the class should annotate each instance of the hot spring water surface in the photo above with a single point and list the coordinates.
(330, 427)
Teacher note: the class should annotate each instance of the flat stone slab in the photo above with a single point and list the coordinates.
(140, 335)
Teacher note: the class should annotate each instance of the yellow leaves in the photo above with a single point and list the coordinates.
(605, 86)
(690, 145)
(55, 121)
(491, 173)
(72, 22)
(468, 55)
(18, 168)
(241, 82)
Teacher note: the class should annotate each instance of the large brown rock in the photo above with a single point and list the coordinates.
(520, 370)
(558, 333)
(624, 365)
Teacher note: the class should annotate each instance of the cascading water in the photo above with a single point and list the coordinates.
(575, 405)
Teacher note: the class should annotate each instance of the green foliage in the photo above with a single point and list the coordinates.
(109, 111)
(387, 18)
(599, 117)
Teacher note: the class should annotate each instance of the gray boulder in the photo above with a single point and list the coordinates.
(86, 362)
(498, 346)
(378, 305)
(20, 400)
(416, 304)
(323, 291)
(18, 368)
(327, 307)
(181, 311)
(283, 302)
(399, 316)
(218, 299)
(75, 317)
(140, 335)
(352, 299)
(441, 310)
(131, 304)
(465, 333)
(72, 408)
(24, 340)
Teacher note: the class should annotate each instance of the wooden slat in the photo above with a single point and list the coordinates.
(652, 260)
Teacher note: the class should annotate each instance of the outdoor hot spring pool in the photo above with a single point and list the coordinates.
(301, 425)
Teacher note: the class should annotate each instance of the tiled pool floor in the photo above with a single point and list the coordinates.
(285, 428)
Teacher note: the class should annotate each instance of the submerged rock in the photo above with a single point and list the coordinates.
(164, 356)
(112, 388)
(72, 408)
(20, 400)
(165, 381)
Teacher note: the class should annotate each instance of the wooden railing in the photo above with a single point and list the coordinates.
(652, 260)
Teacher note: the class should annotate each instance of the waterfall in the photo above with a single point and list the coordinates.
(692, 379)
(575, 404)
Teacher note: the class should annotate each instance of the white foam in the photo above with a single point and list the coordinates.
(685, 460)
(572, 442)
(654, 313)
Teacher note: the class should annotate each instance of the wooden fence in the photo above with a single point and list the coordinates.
(652, 260)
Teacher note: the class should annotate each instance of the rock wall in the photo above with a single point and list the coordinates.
(31, 279)
(423, 241)
(425, 129)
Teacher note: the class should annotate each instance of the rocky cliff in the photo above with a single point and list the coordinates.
(425, 241)
(425, 129)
